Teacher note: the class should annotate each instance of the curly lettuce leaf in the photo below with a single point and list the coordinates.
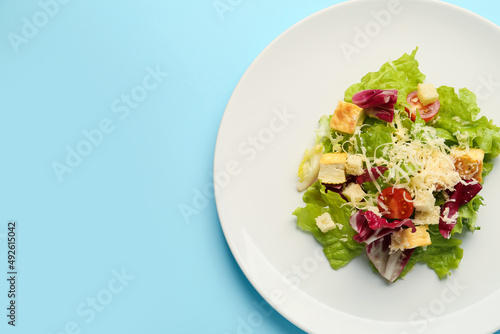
(487, 168)
(372, 137)
(457, 119)
(457, 122)
(468, 213)
(443, 255)
(402, 74)
(371, 140)
(313, 195)
(338, 245)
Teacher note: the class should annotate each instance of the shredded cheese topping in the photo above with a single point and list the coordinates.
(416, 159)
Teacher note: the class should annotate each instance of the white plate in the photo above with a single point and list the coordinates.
(304, 73)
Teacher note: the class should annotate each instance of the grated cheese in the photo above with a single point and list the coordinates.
(416, 159)
(449, 220)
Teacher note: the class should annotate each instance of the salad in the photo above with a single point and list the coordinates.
(397, 172)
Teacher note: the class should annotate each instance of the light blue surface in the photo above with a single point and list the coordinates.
(103, 248)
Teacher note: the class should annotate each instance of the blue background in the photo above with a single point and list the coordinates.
(104, 248)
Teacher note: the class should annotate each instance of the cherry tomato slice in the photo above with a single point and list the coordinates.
(426, 112)
(395, 203)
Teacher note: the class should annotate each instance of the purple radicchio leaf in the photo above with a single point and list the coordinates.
(370, 227)
(375, 222)
(375, 171)
(464, 192)
(377, 103)
(389, 264)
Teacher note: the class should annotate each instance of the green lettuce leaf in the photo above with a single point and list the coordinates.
(443, 255)
(458, 114)
(338, 245)
(468, 213)
(372, 137)
(402, 74)
(457, 122)
(487, 168)
(313, 195)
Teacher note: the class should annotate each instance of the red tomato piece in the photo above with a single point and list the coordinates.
(395, 203)
(426, 112)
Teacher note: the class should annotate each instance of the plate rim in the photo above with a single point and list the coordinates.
(230, 241)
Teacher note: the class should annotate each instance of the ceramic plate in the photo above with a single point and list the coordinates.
(270, 120)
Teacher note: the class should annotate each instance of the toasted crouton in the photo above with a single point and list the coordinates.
(325, 222)
(427, 94)
(468, 163)
(346, 117)
(405, 239)
(332, 168)
(354, 192)
(430, 217)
